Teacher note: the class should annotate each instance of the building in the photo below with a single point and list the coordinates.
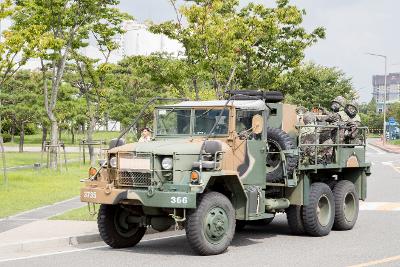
(136, 41)
(393, 89)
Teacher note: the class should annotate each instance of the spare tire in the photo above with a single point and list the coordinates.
(279, 140)
(273, 97)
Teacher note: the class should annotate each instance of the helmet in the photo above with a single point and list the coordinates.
(308, 118)
(301, 110)
(351, 109)
(340, 100)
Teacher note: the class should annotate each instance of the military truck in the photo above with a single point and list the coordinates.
(212, 167)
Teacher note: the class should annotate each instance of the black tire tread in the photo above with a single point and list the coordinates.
(310, 219)
(339, 192)
(295, 219)
(194, 221)
(285, 142)
(105, 223)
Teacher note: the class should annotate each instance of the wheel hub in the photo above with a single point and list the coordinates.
(121, 223)
(324, 210)
(216, 224)
(349, 207)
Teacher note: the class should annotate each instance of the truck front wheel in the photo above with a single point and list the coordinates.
(346, 205)
(115, 228)
(319, 214)
(211, 226)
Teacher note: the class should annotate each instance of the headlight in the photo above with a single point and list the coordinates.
(166, 163)
(113, 162)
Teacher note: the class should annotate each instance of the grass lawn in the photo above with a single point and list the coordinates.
(395, 142)
(79, 214)
(14, 159)
(36, 139)
(29, 189)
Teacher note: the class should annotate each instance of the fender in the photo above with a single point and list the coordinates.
(227, 183)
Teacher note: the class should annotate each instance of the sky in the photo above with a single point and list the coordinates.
(353, 27)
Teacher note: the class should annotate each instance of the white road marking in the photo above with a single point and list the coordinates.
(376, 262)
(379, 151)
(79, 250)
(380, 206)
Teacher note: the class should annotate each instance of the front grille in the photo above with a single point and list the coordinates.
(132, 178)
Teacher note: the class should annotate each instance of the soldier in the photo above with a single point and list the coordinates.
(337, 107)
(146, 135)
(308, 135)
(300, 111)
(351, 132)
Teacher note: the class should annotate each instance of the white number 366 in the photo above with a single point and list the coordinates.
(179, 200)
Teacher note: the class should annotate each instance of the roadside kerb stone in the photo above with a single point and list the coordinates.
(38, 245)
(389, 148)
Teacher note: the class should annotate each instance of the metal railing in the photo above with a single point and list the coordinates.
(337, 136)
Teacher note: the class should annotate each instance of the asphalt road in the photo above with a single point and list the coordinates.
(373, 241)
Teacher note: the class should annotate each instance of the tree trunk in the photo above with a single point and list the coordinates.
(196, 88)
(12, 133)
(89, 134)
(44, 137)
(106, 121)
(54, 143)
(72, 135)
(21, 138)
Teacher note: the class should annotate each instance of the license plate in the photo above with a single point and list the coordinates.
(89, 194)
(134, 164)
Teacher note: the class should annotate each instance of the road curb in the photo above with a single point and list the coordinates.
(58, 242)
(384, 149)
(34, 245)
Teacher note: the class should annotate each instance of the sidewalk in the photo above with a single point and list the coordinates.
(30, 231)
(387, 147)
(42, 235)
(41, 213)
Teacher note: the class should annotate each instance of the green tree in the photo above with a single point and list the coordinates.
(248, 47)
(16, 48)
(21, 103)
(65, 26)
(313, 85)
(394, 111)
(370, 118)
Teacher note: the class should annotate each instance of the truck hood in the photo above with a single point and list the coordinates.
(163, 147)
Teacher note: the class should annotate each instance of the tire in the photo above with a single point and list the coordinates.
(112, 232)
(211, 226)
(319, 214)
(273, 97)
(295, 219)
(346, 205)
(279, 140)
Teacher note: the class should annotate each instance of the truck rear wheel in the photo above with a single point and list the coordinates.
(114, 228)
(319, 214)
(346, 205)
(211, 226)
(295, 219)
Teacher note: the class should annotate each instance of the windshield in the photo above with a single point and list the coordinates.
(173, 121)
(205, 120)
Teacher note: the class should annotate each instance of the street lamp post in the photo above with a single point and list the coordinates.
(384, 99)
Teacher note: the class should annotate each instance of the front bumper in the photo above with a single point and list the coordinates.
(159, 199)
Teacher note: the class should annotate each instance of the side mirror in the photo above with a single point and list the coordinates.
(257, 124)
